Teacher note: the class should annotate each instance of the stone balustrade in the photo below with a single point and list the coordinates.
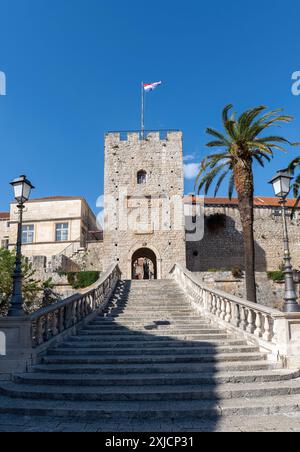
(25, 339)
(276, 332)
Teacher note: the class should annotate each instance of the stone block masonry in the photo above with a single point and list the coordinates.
(222, 247)
(140, 176)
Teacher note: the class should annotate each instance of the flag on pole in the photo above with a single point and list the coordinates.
(151, 86)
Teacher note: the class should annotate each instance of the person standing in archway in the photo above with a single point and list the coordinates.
(146, 270)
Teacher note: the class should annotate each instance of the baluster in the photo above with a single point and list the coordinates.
(209, 302)
(61, 321)
(78, 310)
(228, 312)
(214, 304)
(250, 321)
(258, 324)
(223, 309)
(39, 331)
(87, 304)
(218, 312)
(236, 320)
(54, 326)
(267, 336)
(96, 299)
(47, 334)
(74, 313)
(82, 307)
(243, 323)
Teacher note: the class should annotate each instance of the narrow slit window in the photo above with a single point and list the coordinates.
(141, 177)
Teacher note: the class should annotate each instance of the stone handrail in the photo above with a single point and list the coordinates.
(54, 320)
(24, 339)
(71, 249)
(275, 331)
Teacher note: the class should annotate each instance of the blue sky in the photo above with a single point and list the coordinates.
(74, 69)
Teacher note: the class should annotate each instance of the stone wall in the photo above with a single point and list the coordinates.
(269, 293)
(90, 259)
(222, 249)
(162, 161)
(4, 231)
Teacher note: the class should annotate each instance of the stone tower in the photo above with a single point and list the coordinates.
(144, 188)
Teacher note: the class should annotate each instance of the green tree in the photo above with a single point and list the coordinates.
(240, 145)
(32, 288)
(294, 166)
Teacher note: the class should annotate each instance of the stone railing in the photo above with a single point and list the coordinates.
(49, 322)
(24, 339)
(276, 332)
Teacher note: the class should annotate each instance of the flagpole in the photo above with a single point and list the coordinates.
(143, 111)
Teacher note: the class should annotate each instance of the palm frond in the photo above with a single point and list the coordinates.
(218, 135)
(294, 164)
(247, 118)
(225, 113)
(259, 159)
(231, 187)
(208, 178)
(263, 155)
(276, 139)
(220, 181)
(231, 129)
(213, 144)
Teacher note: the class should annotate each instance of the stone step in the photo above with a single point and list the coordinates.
(142, 337)
(151, 318)
(145, 310)
(65, 351)
(142, 345)
(153, 359)
(157, 368)
(160, 410)
(150, 393)
(150, 327)
(218, 378)
(142, 323)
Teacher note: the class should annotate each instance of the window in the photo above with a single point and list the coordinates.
(28, 234)
(62, 232)
(141, 177)
(5, 244)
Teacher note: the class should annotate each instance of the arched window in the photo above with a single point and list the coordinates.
(141, 177)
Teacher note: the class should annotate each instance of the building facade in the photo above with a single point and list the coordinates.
(4, 229)
(53, 226)
(142, 175)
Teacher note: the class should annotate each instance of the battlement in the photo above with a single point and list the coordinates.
(148, 135)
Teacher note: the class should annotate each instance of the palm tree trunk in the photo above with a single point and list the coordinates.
(245, 188)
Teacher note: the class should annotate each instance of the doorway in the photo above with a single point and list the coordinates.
(144, 264)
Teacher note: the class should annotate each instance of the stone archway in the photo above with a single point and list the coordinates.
(144, 264)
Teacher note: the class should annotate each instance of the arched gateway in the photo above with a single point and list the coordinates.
(144, 264)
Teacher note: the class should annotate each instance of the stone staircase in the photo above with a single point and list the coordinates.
(150, 358)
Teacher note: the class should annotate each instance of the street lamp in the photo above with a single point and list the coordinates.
(282, 186)
(22, 188)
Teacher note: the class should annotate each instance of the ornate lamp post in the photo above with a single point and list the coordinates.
(282, 186)
(22, 188)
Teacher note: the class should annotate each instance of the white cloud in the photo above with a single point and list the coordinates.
(188, 158)
(191, 170)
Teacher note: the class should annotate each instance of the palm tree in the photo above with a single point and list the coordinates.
(240, 145)
(295, 164)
